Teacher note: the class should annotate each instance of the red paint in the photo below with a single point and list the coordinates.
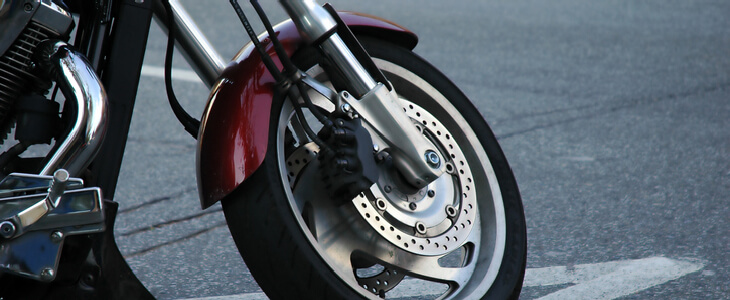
(234, 129)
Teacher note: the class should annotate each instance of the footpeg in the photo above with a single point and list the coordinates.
(38, 213)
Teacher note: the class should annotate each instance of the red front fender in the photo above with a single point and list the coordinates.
(234, 129)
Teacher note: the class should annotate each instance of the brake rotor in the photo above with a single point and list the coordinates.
(444, 211)
(435, 220)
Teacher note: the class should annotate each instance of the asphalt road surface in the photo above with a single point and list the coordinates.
(615, 116)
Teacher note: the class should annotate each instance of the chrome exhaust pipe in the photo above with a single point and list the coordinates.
(84, 92)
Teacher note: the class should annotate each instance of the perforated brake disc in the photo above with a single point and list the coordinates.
(432, 221)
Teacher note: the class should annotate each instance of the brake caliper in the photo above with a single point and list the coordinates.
(348, 167)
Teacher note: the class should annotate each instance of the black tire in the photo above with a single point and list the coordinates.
(297, 244)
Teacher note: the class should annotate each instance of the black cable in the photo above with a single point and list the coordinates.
(268, 62)
(326, 122)
(190, 124)
(289, 67)
(324, 148)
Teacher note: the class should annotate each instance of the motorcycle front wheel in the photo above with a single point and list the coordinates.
(461, 237)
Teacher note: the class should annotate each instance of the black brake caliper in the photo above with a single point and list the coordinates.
(349, 167)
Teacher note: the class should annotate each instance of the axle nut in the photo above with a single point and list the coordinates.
(433, 159)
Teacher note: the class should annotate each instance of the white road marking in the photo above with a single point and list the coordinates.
(177, 74)
(613, 279)
(607, 280)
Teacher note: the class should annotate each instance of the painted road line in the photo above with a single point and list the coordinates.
(177, 74)
(607, 280)
(612, 280)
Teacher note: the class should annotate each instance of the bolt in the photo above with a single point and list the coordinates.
(420, 227)
(387, 189)
(380, 204)
(47, 274)
(345, 94)
(28, 7)
(412, 206)
(376, 148)
(431, 193)
(450, 211)
(346, 107)
(7, 229)
(57, 236)
(433, 159)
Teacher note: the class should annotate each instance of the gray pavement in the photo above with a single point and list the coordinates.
(614, 115)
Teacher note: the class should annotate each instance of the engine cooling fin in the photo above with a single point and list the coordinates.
(16, 75)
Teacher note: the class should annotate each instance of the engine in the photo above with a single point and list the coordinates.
(23, 25)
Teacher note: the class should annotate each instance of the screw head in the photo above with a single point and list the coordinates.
(433, 159)
(413, 206)
(380, 204)
(431, 193)
(57, 236)
(376, 148)
(450, 211)
(47, 274)
(346, 107)
(420, 227)
(387, 189)
(7, 229)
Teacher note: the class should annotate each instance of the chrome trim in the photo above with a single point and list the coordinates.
(78, 212)
(381, 110)
(312, 20)
(191, 42)
(360, 80)
(54, 17)
(83, 90)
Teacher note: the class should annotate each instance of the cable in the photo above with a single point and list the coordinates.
(190, 124)
(266, 58)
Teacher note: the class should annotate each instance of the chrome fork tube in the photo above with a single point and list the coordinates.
(315, 24)
(84, 91)
(415, 156)
(360, 81)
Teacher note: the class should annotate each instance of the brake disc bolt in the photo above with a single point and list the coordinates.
(420, 227)
(57, 236)
(412, 206)
(380, 204)
(432, 158)
(450, 211)
(431, 193)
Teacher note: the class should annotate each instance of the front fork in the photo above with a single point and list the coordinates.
(414, 155)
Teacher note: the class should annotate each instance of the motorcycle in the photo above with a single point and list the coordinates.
(346, 165)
